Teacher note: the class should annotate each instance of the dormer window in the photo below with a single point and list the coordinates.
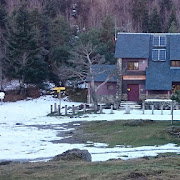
(159, 55)
(159, 41)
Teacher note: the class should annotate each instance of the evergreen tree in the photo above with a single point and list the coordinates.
(165, 9)
(3, 21)
(3, 2)
(60, 32)
(64, 5)
(145, 22)
(107, 43)
(3, 16)
(50, 8)
(172, 23)
(23, 50)
(92, 35)
(139, 12)
(107, 29)
(154, 22)
(102, 38)
(173, 28)
(60, 38)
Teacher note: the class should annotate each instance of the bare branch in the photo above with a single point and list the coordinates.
(107, 79)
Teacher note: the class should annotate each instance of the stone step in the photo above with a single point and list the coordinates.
(132, 105)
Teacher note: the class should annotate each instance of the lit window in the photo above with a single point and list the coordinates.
(159, 54)
(175, 63)
(159, 41)
(133, 65)
(109, 87)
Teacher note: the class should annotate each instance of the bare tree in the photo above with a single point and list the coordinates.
(83, 58)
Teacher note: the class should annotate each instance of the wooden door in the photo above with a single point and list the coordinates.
(133, 92)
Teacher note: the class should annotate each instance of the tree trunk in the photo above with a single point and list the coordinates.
(119, 83)
(22, 86)
(92, 90)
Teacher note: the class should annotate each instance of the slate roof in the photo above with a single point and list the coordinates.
(174, 47)
(159, 74)
(102, 72)
(132, 45)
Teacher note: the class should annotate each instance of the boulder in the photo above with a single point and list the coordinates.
(5, 163)
(174, 131)
(74, 154)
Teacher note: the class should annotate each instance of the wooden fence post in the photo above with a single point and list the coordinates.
(161, 109)
(55, 107)
(73, 110)
(177, 107)
(111, 110)
(101, 109)
(152, 106)
(51, 109)
(172, 113)
(143, 107)
(66, 110)
(59, 110)
(95, 108)
(84, 108)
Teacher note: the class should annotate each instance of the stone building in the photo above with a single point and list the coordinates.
(148, 67)
(151, 62)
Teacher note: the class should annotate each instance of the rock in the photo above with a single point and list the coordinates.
(19, 124)
(174, 131)
(5, 163)
(74, 154)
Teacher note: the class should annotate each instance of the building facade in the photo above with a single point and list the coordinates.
(107, 92)
(150, 64)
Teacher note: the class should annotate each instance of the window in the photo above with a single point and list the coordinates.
(159, 41)
(175, 87)
(175, 63)
(109, 87)
(159, 55)
(133, 65)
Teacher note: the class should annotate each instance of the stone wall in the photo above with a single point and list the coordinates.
(142, 97)
(157, 105)
(157, 96)
(106, 99)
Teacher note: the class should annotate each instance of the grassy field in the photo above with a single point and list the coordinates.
(134, 133)
(166, 168)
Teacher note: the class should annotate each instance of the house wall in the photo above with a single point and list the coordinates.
(141, 86)
(134, 77)
(104, 89)
(104, 95)
(160, 79)
(143, 63)
(107, 99)
(159, 74)
(158, 94)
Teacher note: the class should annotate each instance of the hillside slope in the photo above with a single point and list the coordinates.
(89, 13)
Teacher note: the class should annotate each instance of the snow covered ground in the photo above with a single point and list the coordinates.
(21, 139)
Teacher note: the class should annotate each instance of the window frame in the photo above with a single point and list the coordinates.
(159, 50)
(133, 66)
(175, 67)
(110, 87)
(159, 41)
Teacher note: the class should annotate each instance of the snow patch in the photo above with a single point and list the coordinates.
(21, 138)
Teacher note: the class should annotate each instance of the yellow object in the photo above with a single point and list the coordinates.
(58, 89)
(128, 89)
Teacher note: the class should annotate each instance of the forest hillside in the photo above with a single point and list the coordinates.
(130, 15)
(44, 40)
